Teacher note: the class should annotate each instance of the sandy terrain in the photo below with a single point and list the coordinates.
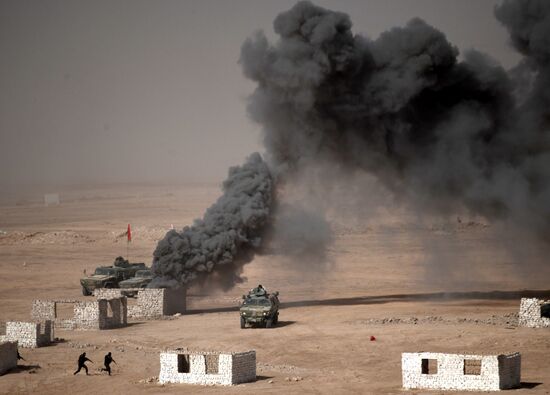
(382, 279)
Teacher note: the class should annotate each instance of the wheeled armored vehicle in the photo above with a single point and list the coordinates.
(260, 308)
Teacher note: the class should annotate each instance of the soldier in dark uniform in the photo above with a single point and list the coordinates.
(107, 362)
(81, 363)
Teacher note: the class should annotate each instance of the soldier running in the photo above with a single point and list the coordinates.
(82, 363)
(107, 363)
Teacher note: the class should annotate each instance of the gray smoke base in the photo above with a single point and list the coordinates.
(216, 246)
(449, 133)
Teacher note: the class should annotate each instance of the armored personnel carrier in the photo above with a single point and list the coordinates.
(259, 308)
(128, 268)
(110, 276)
(103, 277)
(141, 280)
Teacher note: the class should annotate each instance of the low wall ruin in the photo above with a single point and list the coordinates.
(534, 313)
(207, 368)
(103, 313)
(8, 356)
(29, 334)
(439, 371)
(151, 302)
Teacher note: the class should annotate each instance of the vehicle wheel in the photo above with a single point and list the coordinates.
(276, 319)
(269, 323)
(85, 292)
(243, 323)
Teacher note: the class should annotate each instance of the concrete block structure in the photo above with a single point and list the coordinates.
(8, 356)
(151, 302)
(29, 334)
(48, 310)
(101, 314)
(207, 368)
(439, 371)
(534, 313)
(104, 313)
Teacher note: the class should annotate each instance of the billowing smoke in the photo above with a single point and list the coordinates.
(215, 247)
(446, 133)
(300, 233)
(438, 131)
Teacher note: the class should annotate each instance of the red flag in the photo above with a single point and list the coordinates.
(129, 233)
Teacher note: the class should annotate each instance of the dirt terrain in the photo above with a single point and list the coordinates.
(381, 279)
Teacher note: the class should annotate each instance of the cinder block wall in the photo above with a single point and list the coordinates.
(530, 313)
(87, 315)
(151, 302)
(29, 334)
(43, 310)
(122, 311)
(8, 356)
(509, 370)
(47, 310)
(496, 372)
(95, 314)
(243, 367)
(232, 368)
(46, 333)
(119, 317)
(107, 293)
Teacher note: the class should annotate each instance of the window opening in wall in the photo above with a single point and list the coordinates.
(429, 366)
(472, 366)
(212, 362)
(183, 363)
(545, 310)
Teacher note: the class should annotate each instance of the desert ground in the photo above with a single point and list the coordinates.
(381, 278)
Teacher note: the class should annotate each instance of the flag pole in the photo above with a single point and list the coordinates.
(128, 240)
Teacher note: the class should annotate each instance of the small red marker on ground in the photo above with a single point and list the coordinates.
(372, 338)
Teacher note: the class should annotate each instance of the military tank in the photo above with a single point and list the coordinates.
(259, 308)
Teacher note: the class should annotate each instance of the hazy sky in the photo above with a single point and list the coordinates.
(126, 91)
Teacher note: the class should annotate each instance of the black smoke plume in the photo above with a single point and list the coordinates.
(215, 247)
(444, 132)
